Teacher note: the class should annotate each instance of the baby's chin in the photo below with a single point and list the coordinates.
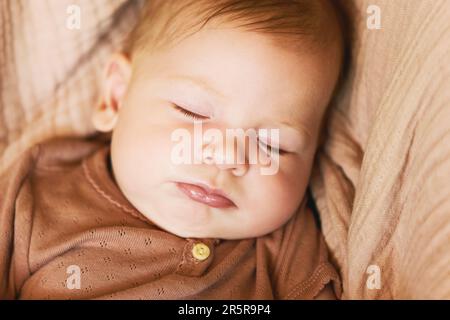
(193, 221)
(206, 224)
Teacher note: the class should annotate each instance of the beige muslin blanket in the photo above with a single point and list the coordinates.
(381, 181)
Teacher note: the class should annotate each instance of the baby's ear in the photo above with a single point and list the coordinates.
(115, 83)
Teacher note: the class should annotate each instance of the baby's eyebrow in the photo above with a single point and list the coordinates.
(202, 83)
(298, 128)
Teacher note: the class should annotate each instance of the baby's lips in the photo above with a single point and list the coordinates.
(212, 198)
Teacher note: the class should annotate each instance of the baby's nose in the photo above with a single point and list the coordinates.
(227, 157)
(237, 169)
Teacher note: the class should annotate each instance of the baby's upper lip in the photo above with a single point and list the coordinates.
(212, 190)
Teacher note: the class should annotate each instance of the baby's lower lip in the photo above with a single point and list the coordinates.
(201, 195)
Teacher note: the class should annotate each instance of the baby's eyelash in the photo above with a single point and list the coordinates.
(269, 148)
(190, 114)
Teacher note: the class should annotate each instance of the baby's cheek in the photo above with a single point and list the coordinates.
(273, 202)
(278, 194)
(288, 188)
(137, 156)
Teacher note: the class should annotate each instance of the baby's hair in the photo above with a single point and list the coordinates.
(297, 24)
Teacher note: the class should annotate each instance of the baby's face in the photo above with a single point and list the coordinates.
(227, 79)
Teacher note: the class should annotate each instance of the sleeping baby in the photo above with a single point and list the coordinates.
(119, 216)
